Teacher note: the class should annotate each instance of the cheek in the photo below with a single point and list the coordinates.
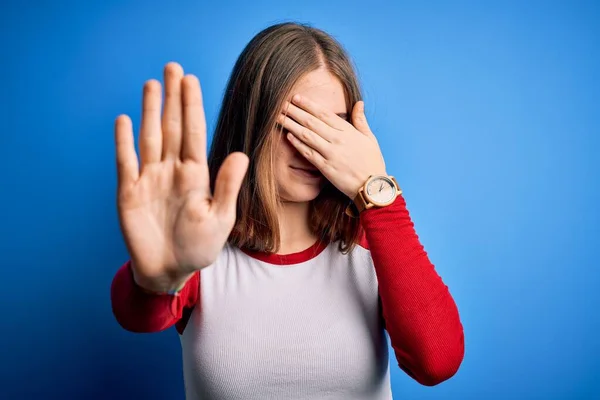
(283, 157)
(286, 152)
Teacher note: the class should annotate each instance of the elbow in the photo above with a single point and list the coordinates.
(435, 374)
(436, 368)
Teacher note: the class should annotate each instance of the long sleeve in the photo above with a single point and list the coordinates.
(139, 311)
(420, 314)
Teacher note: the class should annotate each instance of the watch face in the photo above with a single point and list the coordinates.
(381, 190)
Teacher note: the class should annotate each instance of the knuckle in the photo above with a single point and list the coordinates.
(303, 134)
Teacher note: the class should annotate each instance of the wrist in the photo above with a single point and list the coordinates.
(166, 284)
(378, 191)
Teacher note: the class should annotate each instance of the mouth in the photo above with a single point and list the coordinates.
(310, 172)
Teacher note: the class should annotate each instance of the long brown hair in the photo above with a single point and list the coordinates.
(262, 78)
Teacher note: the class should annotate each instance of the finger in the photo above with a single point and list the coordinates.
(150, 130)
(172, 119)
(127, 161)
(328, 117)
(311, 122)
(304, 134)
(312, 155)
(194, 121)
(359, 119)
(229, 182)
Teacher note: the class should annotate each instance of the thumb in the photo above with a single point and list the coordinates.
(229, 182)
(359, 119)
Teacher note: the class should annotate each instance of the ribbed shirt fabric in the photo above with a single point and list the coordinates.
(309, 325)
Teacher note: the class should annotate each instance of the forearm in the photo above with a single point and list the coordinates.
(420, 314)
(138, 310)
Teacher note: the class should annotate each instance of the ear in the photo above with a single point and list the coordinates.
(359, 119)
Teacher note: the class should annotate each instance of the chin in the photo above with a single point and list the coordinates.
(300, 190)
(298, 193)
(298, 186)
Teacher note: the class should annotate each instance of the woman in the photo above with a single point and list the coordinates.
(282, 257)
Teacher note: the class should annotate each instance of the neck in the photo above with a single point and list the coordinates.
(294, 231)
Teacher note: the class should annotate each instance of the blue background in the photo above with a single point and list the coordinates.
(488, 113)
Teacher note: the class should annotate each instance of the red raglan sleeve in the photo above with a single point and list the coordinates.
(138, 311)
(420, 314)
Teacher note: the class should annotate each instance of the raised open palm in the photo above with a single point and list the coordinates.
(171, 222)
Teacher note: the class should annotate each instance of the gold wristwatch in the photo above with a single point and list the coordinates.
(378, 191)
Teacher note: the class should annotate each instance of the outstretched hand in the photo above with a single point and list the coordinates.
(171, 222)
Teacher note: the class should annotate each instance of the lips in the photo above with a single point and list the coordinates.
(312, 171)
(307, 169)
